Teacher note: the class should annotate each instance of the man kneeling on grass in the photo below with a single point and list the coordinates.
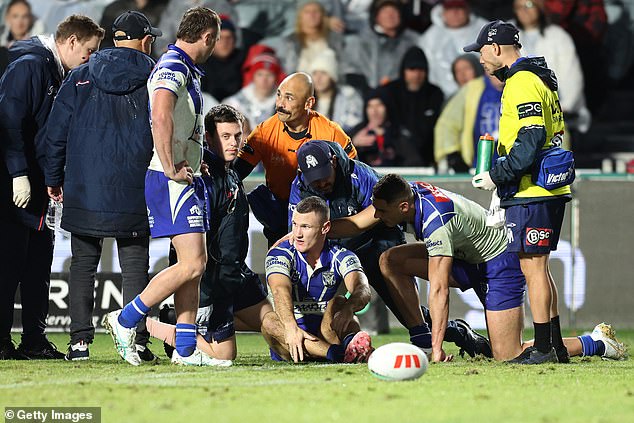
(305, 274)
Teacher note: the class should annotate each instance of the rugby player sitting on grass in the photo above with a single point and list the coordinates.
(311, 320)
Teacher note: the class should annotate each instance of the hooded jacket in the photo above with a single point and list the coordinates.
(373, 56)
(27, 90)
(415, 112)
(443, 44)
(100, 144)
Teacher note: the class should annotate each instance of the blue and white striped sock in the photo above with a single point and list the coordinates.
(185, 339)
(591, 347)
(133, 312)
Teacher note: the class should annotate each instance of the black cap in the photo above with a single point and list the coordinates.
(314, 160)
(498, 32)
(135, 26)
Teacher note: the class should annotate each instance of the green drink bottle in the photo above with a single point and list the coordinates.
(485, 153)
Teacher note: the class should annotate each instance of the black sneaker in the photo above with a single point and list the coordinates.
(77, 352)
(41, 350)
(8, 351)
(167, 314)
(532, 355)
(562, 354)
(472, 342)
(145, 354)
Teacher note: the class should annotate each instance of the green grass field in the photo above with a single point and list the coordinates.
(258, 390)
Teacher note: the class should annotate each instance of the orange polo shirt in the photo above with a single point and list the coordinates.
(271, 144)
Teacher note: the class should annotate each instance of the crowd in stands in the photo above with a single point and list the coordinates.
(392, 73)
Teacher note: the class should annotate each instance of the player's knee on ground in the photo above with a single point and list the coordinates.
(225, 349)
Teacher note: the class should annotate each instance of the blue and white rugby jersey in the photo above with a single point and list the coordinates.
(454, 226)
(176, 72)
(312, 288)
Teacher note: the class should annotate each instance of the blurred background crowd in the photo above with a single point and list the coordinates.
(392, 73)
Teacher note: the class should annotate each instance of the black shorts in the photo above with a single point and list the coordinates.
(230, 290)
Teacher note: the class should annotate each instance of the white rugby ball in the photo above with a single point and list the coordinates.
(398, 361)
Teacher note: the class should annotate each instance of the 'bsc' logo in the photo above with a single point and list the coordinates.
(538, 236)
(408, 359)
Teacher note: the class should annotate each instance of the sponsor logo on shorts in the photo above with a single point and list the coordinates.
(433, 244)
(525, 110)
(195, 210)
(538, 236)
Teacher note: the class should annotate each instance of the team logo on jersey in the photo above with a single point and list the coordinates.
(525, 110)
(311, 161)
(538, 236)
(328, 279)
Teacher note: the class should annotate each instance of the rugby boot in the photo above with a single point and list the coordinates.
(145, 354)
(532, 355)
(470, 341)
(562, 354)
(359, 348)
(614, 350)
(199, 358)
(123, 338)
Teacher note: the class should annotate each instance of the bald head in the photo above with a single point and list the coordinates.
(299, 83)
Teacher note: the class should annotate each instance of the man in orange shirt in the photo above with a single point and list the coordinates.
(275, 142)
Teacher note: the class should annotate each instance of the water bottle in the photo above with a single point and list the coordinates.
(485, 153)
(53, 215)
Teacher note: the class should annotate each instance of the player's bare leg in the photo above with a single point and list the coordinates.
(250, 319)
(327, 332)
(399, 265)
(182, 278)
(505, 332)
(273, 333)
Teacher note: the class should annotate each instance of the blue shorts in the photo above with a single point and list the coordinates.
(535, 228)
(499, 283)
(311, 323)
(175, 208)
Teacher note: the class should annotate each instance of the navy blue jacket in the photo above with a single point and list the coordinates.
(27, 90)
(100, 144)
(352, 193)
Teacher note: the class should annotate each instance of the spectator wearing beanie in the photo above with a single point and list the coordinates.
(223, 70)
(338, 102)
(415, 105)
(256, 100)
